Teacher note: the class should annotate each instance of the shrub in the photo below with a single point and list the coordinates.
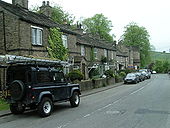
(122, 74)
(117, 78)
(94, 73)
(75, 75)
(109, 73)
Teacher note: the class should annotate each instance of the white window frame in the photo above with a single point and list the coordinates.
(95, 53)
(112, 55)
(83, 52)
(105, 53)
(64, 40)
(37, 37)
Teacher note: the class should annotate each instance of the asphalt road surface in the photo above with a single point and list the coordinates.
(142, 105)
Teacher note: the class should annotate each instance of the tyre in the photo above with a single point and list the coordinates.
(45, 107)
(17, 109)
(17, 90)
(75, 99)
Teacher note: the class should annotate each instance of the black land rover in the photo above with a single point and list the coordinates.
(38, 87)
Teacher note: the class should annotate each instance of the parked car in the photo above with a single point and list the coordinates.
(153, 72)
(141, 76)
(38, 88)
(146, 73)
(131, 78)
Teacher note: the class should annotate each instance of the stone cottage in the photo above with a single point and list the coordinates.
(81, 45)
(22, 32)
(97, 53)
(121, 60)
(131, 53)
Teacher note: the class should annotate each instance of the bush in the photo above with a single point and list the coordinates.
(94, 73)
(75, 75)
(109, 73)
(122, 74)
(117, 76)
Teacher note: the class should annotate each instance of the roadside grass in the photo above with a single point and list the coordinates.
(3, 105)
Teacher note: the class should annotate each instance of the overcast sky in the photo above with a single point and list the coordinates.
(154, 15)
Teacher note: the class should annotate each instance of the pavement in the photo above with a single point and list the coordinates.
(83, 94)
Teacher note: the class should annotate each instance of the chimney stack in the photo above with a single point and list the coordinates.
(22, 3)
(46, 8)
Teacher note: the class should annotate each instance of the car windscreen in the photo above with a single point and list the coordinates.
(130, 75)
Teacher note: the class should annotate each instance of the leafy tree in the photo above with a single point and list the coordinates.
(98, 25)
(135, 35)
(56, 49)
(60, 16)
(161, 66)
(57, 14)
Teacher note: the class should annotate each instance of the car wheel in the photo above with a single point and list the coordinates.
(17, 109)
(75, 99)
(45, 107)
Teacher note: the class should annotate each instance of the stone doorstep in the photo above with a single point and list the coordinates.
(84, 93)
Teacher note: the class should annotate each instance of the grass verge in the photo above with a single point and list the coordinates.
(3, 105)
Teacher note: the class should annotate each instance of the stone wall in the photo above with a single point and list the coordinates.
(18, 37)
(98, 83)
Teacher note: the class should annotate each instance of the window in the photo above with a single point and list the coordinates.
(95, 53)
(112, 55)
(43, 77)
(105, 53)
(36, 35)
(59, 77)
(82, 50)
(64, 39)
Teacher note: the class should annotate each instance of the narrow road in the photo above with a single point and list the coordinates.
(142, 105)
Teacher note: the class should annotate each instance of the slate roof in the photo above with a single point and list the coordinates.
(32, 17)
(119, 53)
(94, 42)
(26, 15)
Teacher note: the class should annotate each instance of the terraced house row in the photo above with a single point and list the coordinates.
(25, 33)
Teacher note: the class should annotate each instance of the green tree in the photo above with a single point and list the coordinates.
(161, 66)
(98, 25)
(56, 49)
(135, 35)
(60, 16)
(57, 14)
(158, 66)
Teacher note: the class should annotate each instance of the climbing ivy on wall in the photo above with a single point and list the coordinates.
(56, 48)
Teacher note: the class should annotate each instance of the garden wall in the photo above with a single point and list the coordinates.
(91, 84)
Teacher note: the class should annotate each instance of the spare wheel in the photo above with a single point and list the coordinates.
(17, 90)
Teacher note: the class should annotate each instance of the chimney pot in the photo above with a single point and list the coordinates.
(43, 3)
(48, 3)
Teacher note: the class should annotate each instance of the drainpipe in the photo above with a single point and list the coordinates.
(4, 70)
(3, 15)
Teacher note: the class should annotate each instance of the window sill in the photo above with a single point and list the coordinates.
(36, 45)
